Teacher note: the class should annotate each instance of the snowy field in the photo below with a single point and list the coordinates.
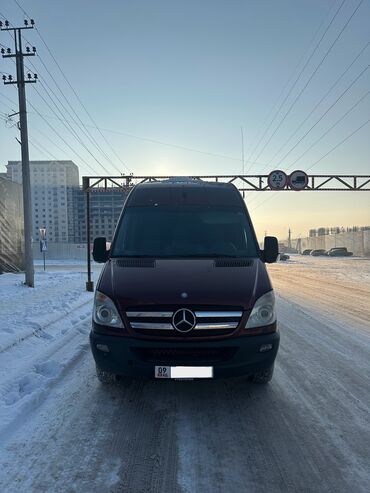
(308, 431)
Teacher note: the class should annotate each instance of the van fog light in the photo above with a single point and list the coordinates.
(103, 347)
(265, 347)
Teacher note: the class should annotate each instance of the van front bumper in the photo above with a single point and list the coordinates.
(240, 356)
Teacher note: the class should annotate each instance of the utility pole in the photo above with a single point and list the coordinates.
(26, 184)
(290, 239)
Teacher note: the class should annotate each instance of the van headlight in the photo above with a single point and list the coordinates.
(105, 311)
(263, 312)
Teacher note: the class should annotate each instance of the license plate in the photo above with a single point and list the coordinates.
(180, 372)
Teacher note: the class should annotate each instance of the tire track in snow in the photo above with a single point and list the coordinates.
(31, 368)
(43, 328)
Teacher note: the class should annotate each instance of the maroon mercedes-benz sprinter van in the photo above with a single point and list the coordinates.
(184, 292)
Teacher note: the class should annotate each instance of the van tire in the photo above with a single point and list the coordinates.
(106, 377)
(263, 376)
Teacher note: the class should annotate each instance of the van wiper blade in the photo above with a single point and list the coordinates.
(184, 256)
(133, 256)
(205, 255)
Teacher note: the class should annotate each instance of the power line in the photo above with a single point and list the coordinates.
(45, 136)
(321, 100)
(37, 146)
(62, 138)
(330, 128)
(159, 142)
(321, 158)
(339, 144)
(77, 97)
(8, 99)
(70, 129)
(153, 141)
(311, 76)
(325, 113)
(85, 131)
(22, 9)
(120, 133)
(44, 150)
(299, 76)
(99, 129)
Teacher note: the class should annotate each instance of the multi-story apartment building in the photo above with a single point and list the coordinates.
(105, 208)
(52, 188)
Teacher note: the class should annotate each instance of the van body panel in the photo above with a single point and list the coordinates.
(170, 280)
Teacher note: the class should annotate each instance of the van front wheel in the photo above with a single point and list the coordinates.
(106, 377)
(263, 376)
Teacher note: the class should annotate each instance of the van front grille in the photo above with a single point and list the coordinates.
(208, 322)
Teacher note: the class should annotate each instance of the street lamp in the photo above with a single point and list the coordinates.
(43, 243)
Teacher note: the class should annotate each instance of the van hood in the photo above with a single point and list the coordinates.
(184, 282)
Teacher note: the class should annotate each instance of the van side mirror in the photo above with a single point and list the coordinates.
(100, 252)
(270, 249)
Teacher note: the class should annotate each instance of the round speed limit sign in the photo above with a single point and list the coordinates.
(277, 180)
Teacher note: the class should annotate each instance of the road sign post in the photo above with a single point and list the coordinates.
(43, 245)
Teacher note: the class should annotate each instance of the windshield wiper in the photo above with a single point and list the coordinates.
(210, 255)
(133, 256)
(184, 256)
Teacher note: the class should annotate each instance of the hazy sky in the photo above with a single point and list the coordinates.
(192, 73)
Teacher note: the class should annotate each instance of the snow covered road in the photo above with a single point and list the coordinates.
(308, 431)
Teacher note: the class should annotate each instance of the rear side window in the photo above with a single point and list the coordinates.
(184, 231)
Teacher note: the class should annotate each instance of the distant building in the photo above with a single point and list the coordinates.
(52, 186)
(11, 226)
(105, 209)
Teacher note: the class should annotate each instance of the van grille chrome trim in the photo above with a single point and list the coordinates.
(218, 314)
(221, 321)
(152, 325)
(216, 325)
(150, 314)
(197, 314)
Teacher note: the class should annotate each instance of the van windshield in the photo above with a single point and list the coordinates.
(184, 231)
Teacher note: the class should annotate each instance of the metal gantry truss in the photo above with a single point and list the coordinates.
(244, 183)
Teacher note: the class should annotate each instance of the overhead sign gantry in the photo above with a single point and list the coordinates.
(274, 181)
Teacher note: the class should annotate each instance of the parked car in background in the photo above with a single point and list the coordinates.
(339, 252)
(283, 256)
(307, 252)
(318, 253)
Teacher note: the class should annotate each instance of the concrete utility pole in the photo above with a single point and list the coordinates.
(26, 184)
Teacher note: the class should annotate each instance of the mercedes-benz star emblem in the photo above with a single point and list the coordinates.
(184, 320)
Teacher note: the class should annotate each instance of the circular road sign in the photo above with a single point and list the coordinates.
(298, 180)
(277, 180)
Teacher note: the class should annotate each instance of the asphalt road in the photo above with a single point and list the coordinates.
(307, 431)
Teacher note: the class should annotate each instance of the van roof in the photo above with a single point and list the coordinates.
(184, 191)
